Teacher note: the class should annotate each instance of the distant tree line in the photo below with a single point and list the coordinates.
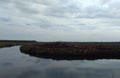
(21, 41)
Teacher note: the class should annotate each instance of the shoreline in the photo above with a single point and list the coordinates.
(67, 50)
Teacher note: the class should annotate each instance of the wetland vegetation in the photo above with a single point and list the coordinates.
(67, 50)
(67, 55)
(74, 50)
(10, 43)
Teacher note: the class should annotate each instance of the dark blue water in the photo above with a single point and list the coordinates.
(14, 64)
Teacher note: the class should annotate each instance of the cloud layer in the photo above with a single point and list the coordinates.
(60, 20)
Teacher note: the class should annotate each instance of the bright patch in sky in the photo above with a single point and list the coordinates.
(60, 20)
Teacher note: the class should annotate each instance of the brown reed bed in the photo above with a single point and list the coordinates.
(67, 50)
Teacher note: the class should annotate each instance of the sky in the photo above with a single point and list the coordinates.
(60, 20)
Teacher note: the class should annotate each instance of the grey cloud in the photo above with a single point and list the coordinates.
(92, 11)
(69, 9)
(43, 25)
(51, 17)
(56, 10)
(4, 1)
(83, 26)
(105, 1)
(25, 7)
(62, 11)
(98, 15)
(47, 25)
(5, 19)
(99, 12)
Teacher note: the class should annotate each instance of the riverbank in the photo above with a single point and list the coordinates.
(67, 50)
(10, 43)
(73, 50)
(2, 45)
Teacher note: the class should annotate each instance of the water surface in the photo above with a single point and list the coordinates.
(14, 64)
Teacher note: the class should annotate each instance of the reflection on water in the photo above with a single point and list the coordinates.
(14, 64)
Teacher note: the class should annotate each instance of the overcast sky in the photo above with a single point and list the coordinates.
(60, 20)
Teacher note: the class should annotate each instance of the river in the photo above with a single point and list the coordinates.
(14, 64)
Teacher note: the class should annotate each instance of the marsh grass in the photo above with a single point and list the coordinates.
(2, 45)
(62, 50)
(14, 43)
